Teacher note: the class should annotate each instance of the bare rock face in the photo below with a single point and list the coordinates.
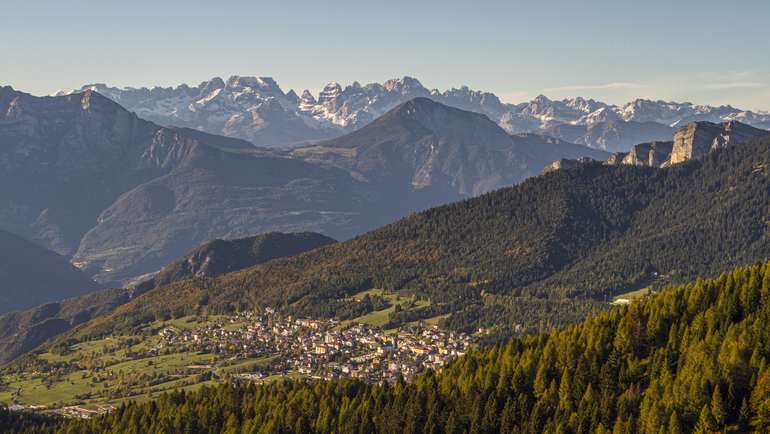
(566, 163)
(653, 154)
(616, 159)
(699, 138)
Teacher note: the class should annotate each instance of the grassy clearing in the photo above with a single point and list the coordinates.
(380, 318)
(630, 296)
(248, 364)
(103, 362)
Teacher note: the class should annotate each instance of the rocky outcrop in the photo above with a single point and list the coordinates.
(653, 154)
(699, 138)
(565, 163)
(616, 159)
(690, 141)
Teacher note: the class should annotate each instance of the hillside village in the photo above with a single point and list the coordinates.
(322, 348)
(89, 378)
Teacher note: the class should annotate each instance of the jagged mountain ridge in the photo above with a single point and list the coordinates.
(256, 109)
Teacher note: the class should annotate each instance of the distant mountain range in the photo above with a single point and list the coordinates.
(122, 196)
(258, 110)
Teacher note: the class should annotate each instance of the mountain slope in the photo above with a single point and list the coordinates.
(217, 194)
(692, 359)
(22, 331)
(340, 191)
(225, 256)
(31, 275)
(438, 148)
(63, 160)
(544, 252)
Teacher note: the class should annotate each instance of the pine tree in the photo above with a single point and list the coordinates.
(508, 417)
(674, 426)
(565, 393)
(705, 424)
(744, 415)
(718, 411)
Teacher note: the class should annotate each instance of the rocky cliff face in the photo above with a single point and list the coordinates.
(699, 138)
(690, 141)
(653, 154)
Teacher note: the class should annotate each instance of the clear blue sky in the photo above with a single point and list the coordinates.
(700, 51)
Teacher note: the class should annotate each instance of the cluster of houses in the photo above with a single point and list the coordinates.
(82, 412)
(74, 411)
(323, 348)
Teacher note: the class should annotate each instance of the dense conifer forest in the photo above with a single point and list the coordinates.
(693, 358)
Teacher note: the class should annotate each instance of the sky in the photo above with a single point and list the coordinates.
(705, 52)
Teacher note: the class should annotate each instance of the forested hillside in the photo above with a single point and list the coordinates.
(223, 256)
(542, 254)
(691, 359)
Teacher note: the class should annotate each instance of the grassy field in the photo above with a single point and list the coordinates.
(631, 295)
(105, 366)
(380, 318)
